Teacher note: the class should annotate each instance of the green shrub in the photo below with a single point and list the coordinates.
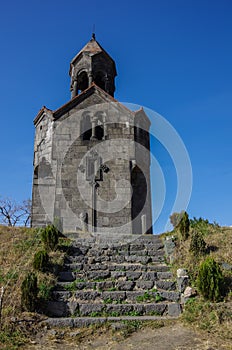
(41, 260)
(203, 225)
(29, 291)
(183, 226)
(210, 280)
(50, 237)
(45, 291)
(197, 244)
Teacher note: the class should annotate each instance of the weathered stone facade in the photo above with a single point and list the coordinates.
(91, 156)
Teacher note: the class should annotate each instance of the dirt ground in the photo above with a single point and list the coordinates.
(174, 336)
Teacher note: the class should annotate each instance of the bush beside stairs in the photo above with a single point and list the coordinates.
(113, 279)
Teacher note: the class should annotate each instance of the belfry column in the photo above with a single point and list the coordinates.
(94, 124)
(75, 89)
(90, 76)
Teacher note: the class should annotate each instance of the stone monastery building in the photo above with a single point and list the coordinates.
(92, 155)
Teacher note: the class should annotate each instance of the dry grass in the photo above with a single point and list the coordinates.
(219, 246)
(214, 318)
(16, 253)
(17, 249)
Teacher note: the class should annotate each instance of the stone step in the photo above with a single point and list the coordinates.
(118, 296)
(120, 259)
(122, 284)
(73, 308)
(121, 309)
(91, 244)
(142, 249)
(79, 267)
(114, 238)
(79, 322)
(112, 277)
(69, 276)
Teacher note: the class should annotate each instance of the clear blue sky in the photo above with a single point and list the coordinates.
(172, 56)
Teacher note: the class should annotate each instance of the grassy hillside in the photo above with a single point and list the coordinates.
(17, 249)
(212, 317)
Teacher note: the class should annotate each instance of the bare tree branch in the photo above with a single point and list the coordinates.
(12, 214)
(26, 210)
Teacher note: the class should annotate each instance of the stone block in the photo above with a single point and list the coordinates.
(158, 268)
(135, 267)
(80, 285)
(174, 310)
(93, 275)
(97, 267)
(105, 285)
(137, 247)
(137, 259)
(182, 283)
(149, 276)
(87, 321)
(155, 309)
(141, 284)
(66, 276)
(166, 285)
(182, 273)
(73, 307)
(133, 275)
(118, 308)
(57, 309)
(60, 322)
(87, 295)
(157, 258)
(142, 252)
(72, 267)
(61, 295)
(139, 308)
(164, 275)
(117, 258)
(88, 309)
(114, 295)
(132, 296)
(117, 274)
(125, 285)
(170, 296)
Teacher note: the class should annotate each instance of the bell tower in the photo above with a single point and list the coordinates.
(92, 156)
(92, 65)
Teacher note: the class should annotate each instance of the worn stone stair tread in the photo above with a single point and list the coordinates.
(116, 267)
(142, 259)
(74, 308)
(76, 322)
(85, 309)
(107, 280)
(107, 275)
(115, 295)
(121, 285)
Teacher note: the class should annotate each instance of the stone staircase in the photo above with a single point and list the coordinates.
(114, 278)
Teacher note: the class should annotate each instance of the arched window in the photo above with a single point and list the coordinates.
(86, 127)
(99, 129)
(99, 80)
(138, 199)
(82, 81)
(92, 129)
(99, 132)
